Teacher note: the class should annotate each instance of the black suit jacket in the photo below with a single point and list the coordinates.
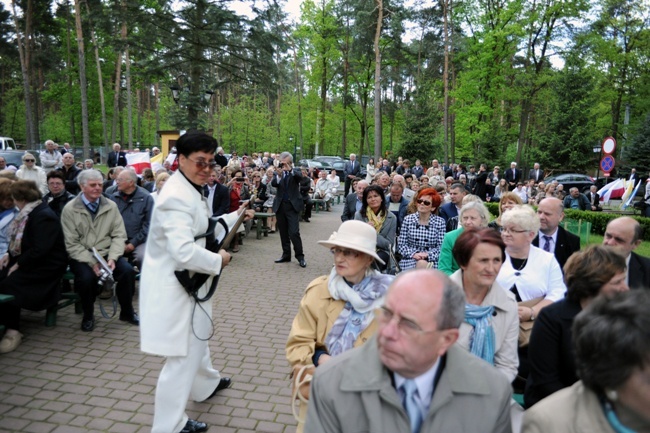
(350, 207)
(116, 158)
(348, 170)
(293, 190)
(551, 353)
(220, 201)
(565, 245)
(536, 176)
(639, 272)
(513, 178)
(596, 201)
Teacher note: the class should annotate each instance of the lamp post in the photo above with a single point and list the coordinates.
(598, 149)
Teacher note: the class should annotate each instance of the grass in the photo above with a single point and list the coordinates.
(642, 250)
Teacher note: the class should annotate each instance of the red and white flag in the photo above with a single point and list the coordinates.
(138, 160)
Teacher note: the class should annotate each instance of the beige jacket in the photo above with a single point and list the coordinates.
(505, 323)
(316, 315)
(106, 232)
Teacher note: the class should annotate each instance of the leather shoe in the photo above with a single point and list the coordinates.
(193, 426)
(224, 383)
(88, 325)
(306, 220)
(132, 318)
(283, 259)
(302, 263)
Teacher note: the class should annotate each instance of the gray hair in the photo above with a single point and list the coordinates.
(87, 175)
(49, 142)
(478, 207)
(132, 176)
(523, 216)
(284, 155)
(452, 308)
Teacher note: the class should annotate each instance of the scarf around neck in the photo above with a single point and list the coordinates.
(17, 228)
(360, 302)
(376, 220)
(481, 341)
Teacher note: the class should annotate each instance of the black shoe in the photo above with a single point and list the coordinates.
(88, 325)
(306, 220)
(193, 426)
(283, 259)
(131, 318)
(224, 383)
(302, 263)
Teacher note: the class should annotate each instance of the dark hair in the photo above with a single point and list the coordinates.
(458, 185)
(5, 189)
(25, 190)
(364, 201)
(435, 197)
(612, 339)
(587, 271)
(195, 141)
(56, 174)
(469, 240)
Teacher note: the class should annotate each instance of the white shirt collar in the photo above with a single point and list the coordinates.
(424, 382)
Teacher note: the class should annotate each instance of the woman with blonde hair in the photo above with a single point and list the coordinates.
(508, 201)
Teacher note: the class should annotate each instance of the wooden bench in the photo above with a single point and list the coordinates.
(3, 299)
(67, 298)
(318, 203)
(261, 223)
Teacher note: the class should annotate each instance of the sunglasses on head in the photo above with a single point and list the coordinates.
(424, 202)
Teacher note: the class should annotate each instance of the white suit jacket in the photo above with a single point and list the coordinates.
(181, 212)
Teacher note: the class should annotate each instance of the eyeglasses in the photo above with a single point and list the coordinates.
(30, 160)
(406, 327)
(203, 164)
(424, 202)
(348, 254)
(507, 230)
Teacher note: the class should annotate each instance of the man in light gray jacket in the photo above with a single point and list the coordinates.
(411, 377)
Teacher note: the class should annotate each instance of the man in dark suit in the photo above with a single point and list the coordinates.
(626, 234)
(536, 173)
(633, 176)
(513, 175)
(353, 201)
(450, 210)
(116, 157)
(594, 198)
(217, 194)
(351, 170)
(554, 238)
(287, 207)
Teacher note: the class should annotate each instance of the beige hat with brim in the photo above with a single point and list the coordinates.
(357, 236)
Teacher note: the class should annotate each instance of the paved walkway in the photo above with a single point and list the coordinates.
(62, 380)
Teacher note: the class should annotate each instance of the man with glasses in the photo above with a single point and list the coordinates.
(173, 323)
(411, 377)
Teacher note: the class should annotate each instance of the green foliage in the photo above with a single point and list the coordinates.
(639, 150)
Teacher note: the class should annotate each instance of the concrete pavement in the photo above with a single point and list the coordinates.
(62, 380)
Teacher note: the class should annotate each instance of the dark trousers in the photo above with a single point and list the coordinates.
(348, 181)
(85, 284)
(289, 227)
(308, 206)
(10, 315)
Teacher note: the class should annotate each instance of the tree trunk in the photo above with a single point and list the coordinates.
(445, 79)
(24, 55)
(129, 97)
(73, 134)
(118, 86)
(100, 79)
(83, 85)
(378, 129)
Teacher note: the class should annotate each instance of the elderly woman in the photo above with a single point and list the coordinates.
(161, 178)
(373, 211)
(532, 274)
(491, 326)
(336, 312)
(258, 190)
(7, 213)
(589, 273)
(472, 215)
(421, 233)
(33, 265)
(508, 201)
(30, 171)
(612, 344)
(238, 190)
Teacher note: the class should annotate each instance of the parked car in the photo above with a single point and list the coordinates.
(7, 143)
(328, 159)
(310, 163)
(570, 180)
(15, 157)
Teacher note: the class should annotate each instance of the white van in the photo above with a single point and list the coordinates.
(7, 143)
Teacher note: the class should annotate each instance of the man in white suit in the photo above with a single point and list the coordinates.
(172, 323)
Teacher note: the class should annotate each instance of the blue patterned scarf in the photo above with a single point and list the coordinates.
(481, 341)
(361, 300)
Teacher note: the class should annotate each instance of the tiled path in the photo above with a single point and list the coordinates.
(62, 380)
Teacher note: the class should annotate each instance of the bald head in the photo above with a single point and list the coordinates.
(550, 212)
(623, 233)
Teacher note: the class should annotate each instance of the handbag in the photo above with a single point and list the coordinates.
(300, 385)
(526, 328)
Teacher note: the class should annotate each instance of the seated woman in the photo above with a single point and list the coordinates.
(530, 273)
(239, 191)
(336, 312)
(499, 189)
(508, 201)
(7, 212)
(491, 326)
(421, 233)
(373, 211)
(271, 191)
(612, 344)
(33, 265)
(258, 190)
(473, 214)
(589, 273)
(161, 178)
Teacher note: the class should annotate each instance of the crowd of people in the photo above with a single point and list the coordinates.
(431, 317)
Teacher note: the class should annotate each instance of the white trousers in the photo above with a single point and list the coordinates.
(185, 377)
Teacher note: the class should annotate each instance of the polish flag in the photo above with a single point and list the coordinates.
(138, 160)
(612, 190)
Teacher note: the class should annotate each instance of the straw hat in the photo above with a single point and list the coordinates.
(355, 235)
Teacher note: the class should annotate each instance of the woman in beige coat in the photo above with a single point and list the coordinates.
(336, 312)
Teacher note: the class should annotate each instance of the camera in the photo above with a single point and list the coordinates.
(281, 165)
(239, 179)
